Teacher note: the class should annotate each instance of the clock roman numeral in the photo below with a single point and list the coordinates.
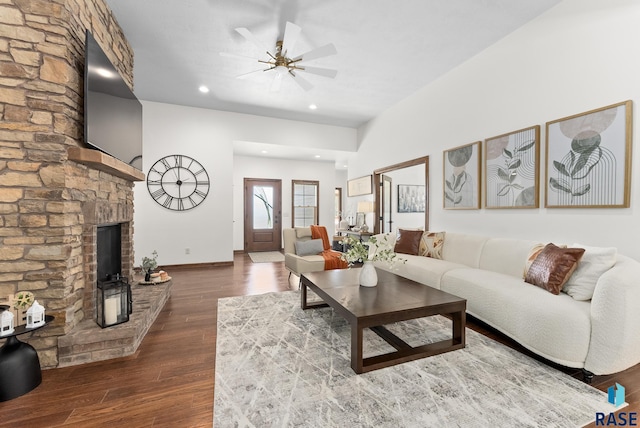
(165, 162)
(202, 183)
(180, 204)
(158, 194)
(178, 160)
(201, 193)
(167, 202)
(198, 172)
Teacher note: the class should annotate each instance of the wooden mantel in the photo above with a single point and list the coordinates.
(104, 162)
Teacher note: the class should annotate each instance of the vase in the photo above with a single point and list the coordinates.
(368, 275)
(147, 276)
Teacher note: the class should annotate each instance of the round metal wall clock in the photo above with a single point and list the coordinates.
(178, 182)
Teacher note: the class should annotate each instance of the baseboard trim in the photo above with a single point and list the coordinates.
(196, 265)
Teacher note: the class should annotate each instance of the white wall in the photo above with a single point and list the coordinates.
(208, 136)
(578, 56)
(285, 170)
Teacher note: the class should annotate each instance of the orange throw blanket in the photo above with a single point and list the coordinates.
(332, 259)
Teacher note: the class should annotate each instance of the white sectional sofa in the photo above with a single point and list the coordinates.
(601, 335)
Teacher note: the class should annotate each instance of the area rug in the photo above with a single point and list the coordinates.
(267, 257)
(280, 366)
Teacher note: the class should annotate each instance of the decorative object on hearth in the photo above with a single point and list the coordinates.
(281, 63)
(149, 264)
(113, 302)
(589, 159)
(6, 320)
(21, 303)
(358, 252)
(511, 169)
(461, 183)
(35, 315)
(178, 182)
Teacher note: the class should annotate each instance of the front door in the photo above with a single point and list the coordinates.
(262, 211)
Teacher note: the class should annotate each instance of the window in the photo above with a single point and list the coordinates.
(304, 202)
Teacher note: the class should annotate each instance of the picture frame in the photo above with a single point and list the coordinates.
(461, 174)
(588, 159)
(411, 198)
(511, 169)
(360, 186)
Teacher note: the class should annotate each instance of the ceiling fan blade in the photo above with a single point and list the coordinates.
(277, 82)
(326, 72)
(302, 82)
(250, 37)
(291, 34)
(320, 52)
(245, 75)
(236, 56)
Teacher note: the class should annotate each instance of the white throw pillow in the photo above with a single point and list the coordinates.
(594, 262)
(309, 248)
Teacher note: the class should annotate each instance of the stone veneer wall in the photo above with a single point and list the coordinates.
(49, 205)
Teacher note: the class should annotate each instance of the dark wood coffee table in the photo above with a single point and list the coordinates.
(394, 299)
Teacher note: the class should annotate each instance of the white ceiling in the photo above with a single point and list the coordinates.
(387, 50)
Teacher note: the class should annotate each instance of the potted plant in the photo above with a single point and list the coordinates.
(367, 253)
(149, 264)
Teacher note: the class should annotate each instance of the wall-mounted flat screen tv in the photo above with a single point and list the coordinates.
(112, 113)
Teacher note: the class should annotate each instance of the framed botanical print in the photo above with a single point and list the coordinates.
(461, 177)
(588, 159)
(511, 165)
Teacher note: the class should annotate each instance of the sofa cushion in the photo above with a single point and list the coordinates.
(425, 270)
(408, 241)
(595, 262)
(505, 255)
(303, 232)
(309, 248)
(556, 327)
(553, 267)
(431, 244)
(463, 249)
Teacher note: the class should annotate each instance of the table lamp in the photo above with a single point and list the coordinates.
(365, 207)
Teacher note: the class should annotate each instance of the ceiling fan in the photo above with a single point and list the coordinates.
(280, 63)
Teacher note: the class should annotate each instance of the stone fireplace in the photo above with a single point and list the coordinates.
(53, 192)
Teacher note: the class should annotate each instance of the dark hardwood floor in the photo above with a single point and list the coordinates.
(169, 381)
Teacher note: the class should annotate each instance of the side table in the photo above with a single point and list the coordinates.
(19, 364)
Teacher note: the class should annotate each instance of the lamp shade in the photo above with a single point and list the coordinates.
(365, 206)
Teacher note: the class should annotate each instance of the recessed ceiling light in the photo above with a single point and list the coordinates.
(264, 151)
(203, 89)
(317, 156)
(313, 106)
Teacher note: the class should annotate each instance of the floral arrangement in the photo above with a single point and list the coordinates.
(150, 263)
(359, 251)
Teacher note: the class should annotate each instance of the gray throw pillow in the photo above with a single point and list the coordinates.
(309, 248)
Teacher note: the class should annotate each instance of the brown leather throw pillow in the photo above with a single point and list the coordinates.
(553, 267)
(408, 241)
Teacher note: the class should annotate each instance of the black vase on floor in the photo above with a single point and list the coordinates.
(147, 276)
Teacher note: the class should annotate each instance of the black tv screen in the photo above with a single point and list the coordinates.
(112, 113)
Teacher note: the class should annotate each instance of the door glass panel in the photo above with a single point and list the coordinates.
(262, 207)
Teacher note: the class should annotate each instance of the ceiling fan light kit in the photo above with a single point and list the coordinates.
(282, 65)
